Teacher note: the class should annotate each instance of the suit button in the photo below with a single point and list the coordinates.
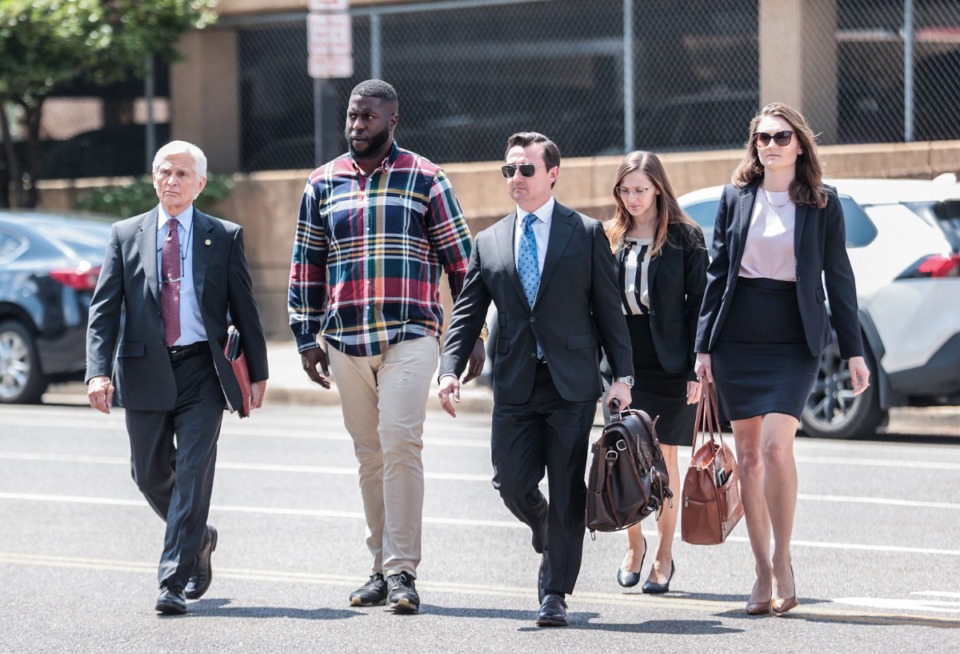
(652, 312)
(533, 355)
(532, 319)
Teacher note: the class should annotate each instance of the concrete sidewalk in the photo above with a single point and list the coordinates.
(289, 384)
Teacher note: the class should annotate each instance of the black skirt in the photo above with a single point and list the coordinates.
(761, 362)
(656, 391)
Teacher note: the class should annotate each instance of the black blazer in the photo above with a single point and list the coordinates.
(577, 309)
(676, 278)
(821, 254)
(129, 280)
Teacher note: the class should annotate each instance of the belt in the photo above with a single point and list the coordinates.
(181, 352)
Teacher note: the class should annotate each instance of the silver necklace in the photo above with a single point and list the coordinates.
(766, 196)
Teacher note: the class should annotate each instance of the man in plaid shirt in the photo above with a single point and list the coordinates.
(376, 228)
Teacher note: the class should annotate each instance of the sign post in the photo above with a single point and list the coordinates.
(329, 56)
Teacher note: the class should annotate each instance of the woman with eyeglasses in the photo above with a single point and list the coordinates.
(779, 235)
(662, 271)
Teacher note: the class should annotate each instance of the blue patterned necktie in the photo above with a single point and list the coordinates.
(528, 264)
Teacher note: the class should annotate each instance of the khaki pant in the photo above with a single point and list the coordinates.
(384, 402)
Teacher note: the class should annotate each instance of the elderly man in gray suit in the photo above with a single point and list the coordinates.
(550, 273)
(178, 276)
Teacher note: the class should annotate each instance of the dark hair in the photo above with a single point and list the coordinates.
(551, 153)
(807, 185)
(376, 88)
(668, 209)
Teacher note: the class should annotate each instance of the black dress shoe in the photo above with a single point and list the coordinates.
(199, 583)
(553, 612)
(652, 588)
(171, 601)
(372, 593)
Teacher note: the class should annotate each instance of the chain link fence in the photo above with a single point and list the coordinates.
(605, 76)
(598, 76)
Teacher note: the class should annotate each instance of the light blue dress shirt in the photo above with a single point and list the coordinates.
(191, 324)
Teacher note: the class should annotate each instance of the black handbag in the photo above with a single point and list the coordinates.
(628, 478)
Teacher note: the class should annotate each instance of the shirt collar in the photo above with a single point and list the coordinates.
(185, 219)
(384, 165)
(544, 213)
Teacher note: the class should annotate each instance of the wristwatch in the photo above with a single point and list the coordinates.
(628, 380)
(484, 333)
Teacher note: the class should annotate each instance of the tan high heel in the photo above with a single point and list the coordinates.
(781, 606)
(758, 608)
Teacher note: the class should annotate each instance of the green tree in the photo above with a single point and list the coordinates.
(45, 44)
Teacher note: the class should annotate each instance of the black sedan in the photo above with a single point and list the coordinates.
(49, 265)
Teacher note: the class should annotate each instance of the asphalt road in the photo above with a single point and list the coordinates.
(876, 552)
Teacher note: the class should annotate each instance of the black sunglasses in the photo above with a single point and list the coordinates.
(780, 138)
(527, 170)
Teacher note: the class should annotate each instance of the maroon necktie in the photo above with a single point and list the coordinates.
(170, 284)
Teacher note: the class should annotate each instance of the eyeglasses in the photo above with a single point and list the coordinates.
(625, 192)
(527, 170)
(780, 138)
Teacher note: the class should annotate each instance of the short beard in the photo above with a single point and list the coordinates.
(373, 145)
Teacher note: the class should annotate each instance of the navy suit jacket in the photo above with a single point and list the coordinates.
(577, 309)
(821, 254)
(129, 281)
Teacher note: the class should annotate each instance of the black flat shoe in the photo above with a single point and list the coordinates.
(629, 579)
(652, 588)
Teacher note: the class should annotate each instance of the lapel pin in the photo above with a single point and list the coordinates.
(207, 242)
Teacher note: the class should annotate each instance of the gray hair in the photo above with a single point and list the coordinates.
(182, 147)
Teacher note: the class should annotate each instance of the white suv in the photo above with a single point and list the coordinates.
(903, 238)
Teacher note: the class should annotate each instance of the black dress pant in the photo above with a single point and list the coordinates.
(172, 458)
(545, 434)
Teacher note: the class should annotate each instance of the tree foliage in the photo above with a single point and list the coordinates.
(45, 44)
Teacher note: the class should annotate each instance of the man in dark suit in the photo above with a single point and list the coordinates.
(550, 273)
(178, 276)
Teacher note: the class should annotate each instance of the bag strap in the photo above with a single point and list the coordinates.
(707, 423)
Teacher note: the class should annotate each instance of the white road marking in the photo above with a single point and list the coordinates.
(446, 521)
(901, 604)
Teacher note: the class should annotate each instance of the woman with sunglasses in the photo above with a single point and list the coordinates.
(662, 271)
(778, 236)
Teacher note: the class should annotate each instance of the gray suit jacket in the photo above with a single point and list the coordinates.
(129, 281)
(577, 309)
(819, 245)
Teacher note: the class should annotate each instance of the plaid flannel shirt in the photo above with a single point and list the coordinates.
(369, 251)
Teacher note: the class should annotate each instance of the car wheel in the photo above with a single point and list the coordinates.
(21, 380)
(832, 410)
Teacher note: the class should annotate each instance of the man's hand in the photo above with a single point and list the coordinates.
(257, 391)
(449, 393)
(100, 393)
(310, 359)
(619, 392)
(475, 363)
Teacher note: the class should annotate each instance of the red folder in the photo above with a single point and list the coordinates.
(238, 361)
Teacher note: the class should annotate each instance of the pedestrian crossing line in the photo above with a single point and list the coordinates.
(236, 465)
(445, 521)
(439, 476)
(583, 600)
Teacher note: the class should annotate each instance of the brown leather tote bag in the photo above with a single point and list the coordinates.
(711, 489)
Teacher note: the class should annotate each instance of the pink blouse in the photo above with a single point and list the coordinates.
(768, 251)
